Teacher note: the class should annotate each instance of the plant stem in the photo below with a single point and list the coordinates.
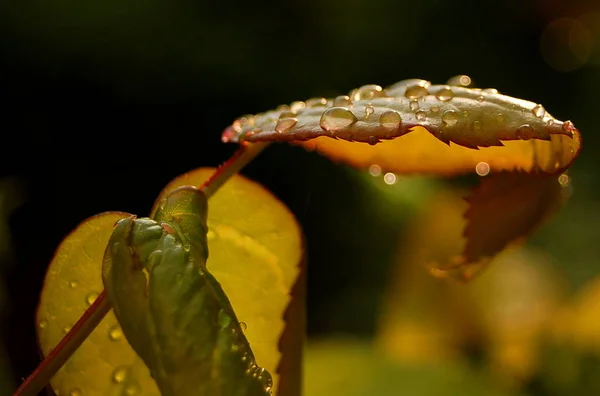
(246, 153)
(86, 324)
(66, 347)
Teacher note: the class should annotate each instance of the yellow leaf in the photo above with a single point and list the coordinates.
(255, 249)
(105, 364)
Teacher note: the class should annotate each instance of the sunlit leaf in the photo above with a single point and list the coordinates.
(255, 251)
(105, 364)
(173, 312)
(415, 127)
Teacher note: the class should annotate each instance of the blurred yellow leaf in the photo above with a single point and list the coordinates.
(505, 312)
(255, 251)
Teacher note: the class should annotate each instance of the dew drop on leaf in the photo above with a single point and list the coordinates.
(421, 115)
(539, 111)
(413, 105)
(285, 124)
(75, 392)
(450, 118)
(337, 118)
(367, 92)
(119, 375)
(390, 119)
(316, 102)
(115, 333)
(342, 101)
(90, 298)
(445, 94)
(416, 91)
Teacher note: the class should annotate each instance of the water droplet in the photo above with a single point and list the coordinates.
(316, 102)
(43, 324)
(375, 170)
(564, 180)
(413, 105)
(450, 118)
(538, 111)
(244, 358)
(297, 106)
(132, 390)
(90, 298)
(268, 389)
(445, 94)
(186, 247)
(525, 132)
(500, 118)
(337, 118)
(73, 284)
(367, 92)
(482, 168)
(224, 319)
(342, 101)
(66, 329)
(416, 91)
(119, 375)
(421, 115)
(286, 114)
(75, 392)
(390, 119)
(243, 326)
(389, 178)
(115, 333)
(282, 108)
(491, 90)
(372, 140)
(435, 109)
(285, 125)
(476, 125)
(461, 80)
(481, 98)
(369, 110)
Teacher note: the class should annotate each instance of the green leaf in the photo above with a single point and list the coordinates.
(173, 312)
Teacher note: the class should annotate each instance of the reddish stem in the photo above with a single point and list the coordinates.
(66, 347)
(36, 381)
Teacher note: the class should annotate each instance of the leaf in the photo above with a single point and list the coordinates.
(248, 225)
(415, 127)
(261, 230)
(104, 365)
(173, 312)
(447, 130)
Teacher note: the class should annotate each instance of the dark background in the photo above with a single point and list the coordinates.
(104, 102)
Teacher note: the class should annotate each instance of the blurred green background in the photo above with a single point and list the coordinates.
(104, 102)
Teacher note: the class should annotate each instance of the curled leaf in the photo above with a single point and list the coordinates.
(172, 310)
(415, 127)
(255, 253)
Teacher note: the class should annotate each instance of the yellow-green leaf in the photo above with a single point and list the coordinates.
(255, 250)
(105, 364)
